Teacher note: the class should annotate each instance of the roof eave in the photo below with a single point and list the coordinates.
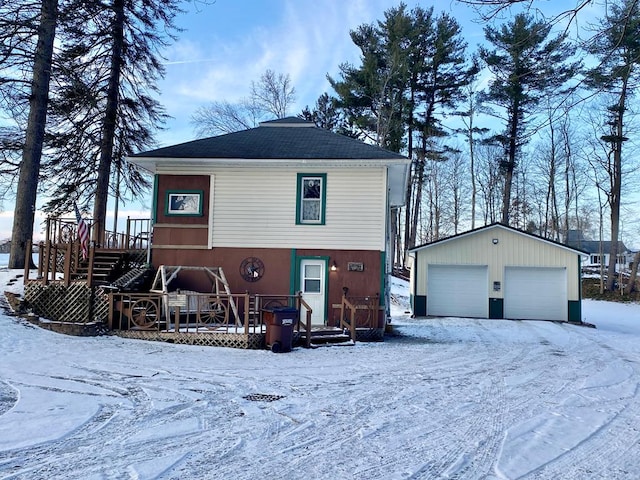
(154, 164)
(504, 227)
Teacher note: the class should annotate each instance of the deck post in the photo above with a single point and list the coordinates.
(27, 261)
(54, 269)
(92, 251)
(40, 258)
(47, 263)
(127, 238)
(110, 317)
(246, 314)
(67, 265)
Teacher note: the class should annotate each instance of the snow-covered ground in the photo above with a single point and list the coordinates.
(441, 398)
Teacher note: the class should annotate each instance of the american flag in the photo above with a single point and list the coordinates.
(83, 233)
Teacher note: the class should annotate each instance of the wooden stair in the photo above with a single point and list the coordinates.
(327, 337)
(107, 266)
(134, 280)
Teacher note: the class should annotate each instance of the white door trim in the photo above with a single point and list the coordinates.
(313, 284)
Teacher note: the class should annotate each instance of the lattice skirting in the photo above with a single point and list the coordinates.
(370, 335)
(76, 303)
(254, 341)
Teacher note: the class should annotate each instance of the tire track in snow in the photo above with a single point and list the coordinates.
(114, 427)
(456, 438)
(599, 454)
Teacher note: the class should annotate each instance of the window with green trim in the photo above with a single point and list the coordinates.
(311, 196)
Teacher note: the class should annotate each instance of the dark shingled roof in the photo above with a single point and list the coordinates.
(576, 239)
(287, 138)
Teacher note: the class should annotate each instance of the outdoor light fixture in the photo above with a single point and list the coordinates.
(495, 241)
(334, 267)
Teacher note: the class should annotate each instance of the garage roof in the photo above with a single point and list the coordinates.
(503, 227)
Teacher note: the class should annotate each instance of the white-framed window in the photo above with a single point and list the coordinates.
(311, 198)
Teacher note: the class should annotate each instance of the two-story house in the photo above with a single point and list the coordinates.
(283, 208)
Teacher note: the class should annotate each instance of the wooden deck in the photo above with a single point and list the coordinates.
(112, 286)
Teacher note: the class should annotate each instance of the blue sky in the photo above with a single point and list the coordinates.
(226, 44)
(229, 43)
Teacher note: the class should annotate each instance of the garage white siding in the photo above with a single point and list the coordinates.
(458, 290)
(535, 293)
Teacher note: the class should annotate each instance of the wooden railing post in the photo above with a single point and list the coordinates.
(40, 259)
(92, 251)
(47, 263)
(28, 259)
(353, 325)
(127, 238)
(48, 230)
(246, 314)
(67, 265)
(54, 268)
(110, 315)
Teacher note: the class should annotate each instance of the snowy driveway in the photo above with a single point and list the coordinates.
(444, 398)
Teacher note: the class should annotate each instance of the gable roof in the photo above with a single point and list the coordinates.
(503, 227)
(286, 138)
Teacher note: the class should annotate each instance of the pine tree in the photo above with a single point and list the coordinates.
(525, 66)
(26, 193)
(101, 110)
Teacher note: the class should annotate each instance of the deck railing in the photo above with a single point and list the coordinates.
(61, 256)
(137, 233)
(359, 312)
(305, 312)
(194, 312)
(182, 312)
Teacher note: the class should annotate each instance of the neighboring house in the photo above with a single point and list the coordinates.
(5, 246)
(599, 252)
(497, 271)
(282, 208)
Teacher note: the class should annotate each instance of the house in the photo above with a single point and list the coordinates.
(497, 271)
(599, 251)
(282, 208)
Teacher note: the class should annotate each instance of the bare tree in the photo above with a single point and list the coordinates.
(488, 178)
(273, 94)
(271, 97)
(618, 75)
(491, 9)
(471, 132)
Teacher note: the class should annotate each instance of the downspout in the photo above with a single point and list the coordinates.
(386, 266)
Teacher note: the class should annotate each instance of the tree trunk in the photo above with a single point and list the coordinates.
(567, 182)
(616, 185)
(634, 273)
(408, 233)
(473, 172)
(417, 203)
(30, 167)
(109, 127)
(511, 163)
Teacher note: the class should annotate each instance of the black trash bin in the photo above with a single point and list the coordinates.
(280, 323)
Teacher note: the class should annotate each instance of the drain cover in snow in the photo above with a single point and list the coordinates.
(262, 397)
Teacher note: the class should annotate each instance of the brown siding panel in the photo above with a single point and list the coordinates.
(182, 182)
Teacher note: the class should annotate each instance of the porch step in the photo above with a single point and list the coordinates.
(328, 337)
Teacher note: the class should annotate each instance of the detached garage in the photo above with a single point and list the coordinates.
(497, 271)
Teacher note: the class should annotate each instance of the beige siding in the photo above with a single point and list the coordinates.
(257, 208)
(512, 249)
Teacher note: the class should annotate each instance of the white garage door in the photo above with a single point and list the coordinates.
(458, 291)
(535, 293)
